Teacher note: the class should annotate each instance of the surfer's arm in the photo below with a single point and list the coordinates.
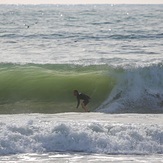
(78, 100)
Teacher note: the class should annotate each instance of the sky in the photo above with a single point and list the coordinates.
(81, 1)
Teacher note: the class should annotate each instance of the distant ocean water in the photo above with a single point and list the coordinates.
(113, 53)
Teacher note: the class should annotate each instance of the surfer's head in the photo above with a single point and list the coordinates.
(76, 92)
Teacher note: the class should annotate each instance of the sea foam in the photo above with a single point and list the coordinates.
(137, 90)
(37, 133)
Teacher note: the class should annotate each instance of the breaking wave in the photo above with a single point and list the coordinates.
(48, 88)
(36, 133)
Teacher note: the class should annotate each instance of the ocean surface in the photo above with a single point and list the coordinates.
(113, 53)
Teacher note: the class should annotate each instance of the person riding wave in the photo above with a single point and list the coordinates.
(84, 97)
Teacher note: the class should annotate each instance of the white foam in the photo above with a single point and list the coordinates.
(92, 132)
(137, 90)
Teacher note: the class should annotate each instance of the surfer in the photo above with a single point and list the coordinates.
(82, 96)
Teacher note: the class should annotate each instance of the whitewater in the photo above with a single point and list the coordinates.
(81, 137)
(113, 53)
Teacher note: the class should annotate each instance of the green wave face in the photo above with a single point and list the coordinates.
(49, 88)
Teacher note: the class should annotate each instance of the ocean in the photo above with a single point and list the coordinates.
(113, 53)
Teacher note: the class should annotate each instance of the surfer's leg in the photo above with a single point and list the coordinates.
(83, 104)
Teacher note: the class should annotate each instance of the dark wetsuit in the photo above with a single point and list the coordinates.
(85, 98)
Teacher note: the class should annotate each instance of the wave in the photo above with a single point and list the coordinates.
(138, 90)
(37, 133)
(47, 88)
(80, 36)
